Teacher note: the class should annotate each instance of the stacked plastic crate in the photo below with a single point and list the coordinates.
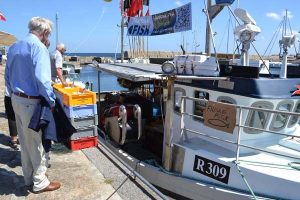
(80, 106)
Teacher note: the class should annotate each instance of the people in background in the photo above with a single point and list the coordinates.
(27, 77)
(9, 111)
(57, 64)
(1, 58)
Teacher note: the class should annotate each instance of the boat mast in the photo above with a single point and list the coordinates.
(56, 26)
(122, 32)
(208, 31)
(211, 11)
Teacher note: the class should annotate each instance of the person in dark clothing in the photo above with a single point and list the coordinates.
(9, 111)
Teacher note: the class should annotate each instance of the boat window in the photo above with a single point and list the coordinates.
(280, 120)
(199, 106)
(295, 119)
(258, 119)
(225, 99)
(178, 93)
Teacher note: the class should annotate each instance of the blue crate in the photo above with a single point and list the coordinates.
(224, 2)
(80, 111)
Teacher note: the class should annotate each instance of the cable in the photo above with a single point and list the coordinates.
(246, 182)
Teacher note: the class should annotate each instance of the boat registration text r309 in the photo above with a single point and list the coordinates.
(211, 169)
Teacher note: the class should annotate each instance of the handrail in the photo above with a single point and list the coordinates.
(239, 125)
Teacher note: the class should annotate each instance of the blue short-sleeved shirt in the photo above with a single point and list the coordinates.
(28, 69)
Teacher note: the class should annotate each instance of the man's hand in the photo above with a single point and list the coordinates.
(65, 84)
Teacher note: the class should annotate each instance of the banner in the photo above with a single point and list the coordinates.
(172, 21)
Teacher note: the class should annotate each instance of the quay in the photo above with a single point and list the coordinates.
(84, 174)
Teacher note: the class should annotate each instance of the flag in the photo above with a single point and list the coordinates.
(2, 17)
(148, 12)
(146, 2)
(135, 7)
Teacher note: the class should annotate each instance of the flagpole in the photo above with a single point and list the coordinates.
(122, 33)
(56, 24)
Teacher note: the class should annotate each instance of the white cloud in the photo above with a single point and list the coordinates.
(178, 3)
(279, 16)
(273, 15)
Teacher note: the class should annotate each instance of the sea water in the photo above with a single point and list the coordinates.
(108, 82)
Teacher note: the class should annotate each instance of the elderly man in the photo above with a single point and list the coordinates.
(57, 64)
(28, 77)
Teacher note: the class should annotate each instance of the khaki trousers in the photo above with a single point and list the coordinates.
(32, 152)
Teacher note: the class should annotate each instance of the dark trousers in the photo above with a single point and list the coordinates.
(10, 116)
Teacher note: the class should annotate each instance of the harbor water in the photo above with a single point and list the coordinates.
(108, 82)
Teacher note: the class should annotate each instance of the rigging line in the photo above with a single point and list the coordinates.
(227, 46)
(223, 35)
(275, 34)
(118, 41)
(235, 42)
(276, 39)
(212, 37)
(244, 179)
(89, 33)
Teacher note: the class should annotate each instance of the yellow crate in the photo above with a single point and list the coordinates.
(74, 96)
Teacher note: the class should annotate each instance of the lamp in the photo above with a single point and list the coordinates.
(168, 67)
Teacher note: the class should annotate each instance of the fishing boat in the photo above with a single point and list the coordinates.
(205, 130)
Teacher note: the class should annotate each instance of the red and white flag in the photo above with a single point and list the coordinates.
(2, 17)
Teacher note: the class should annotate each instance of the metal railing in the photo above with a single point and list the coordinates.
(239, 126)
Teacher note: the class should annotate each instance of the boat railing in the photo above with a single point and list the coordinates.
(239, 124)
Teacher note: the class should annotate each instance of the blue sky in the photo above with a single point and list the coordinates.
(91, 25)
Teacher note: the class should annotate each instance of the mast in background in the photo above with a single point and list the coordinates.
(212, 11)
(122, 32)
(56, 26)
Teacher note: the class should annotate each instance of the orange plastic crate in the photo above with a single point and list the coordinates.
(83, 143)
(74, 96)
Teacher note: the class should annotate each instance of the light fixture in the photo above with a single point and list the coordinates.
(168, 67)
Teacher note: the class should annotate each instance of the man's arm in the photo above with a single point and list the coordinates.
(59, 73)
(42, 64)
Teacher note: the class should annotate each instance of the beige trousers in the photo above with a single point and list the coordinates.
(32, 152)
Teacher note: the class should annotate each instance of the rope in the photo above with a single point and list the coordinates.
(273, 38)
(295, 165)
(246, 182)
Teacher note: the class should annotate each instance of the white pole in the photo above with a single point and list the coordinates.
(56, 24)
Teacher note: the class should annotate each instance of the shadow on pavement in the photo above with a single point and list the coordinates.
(10, 181)
(3, 115)
(4, 139)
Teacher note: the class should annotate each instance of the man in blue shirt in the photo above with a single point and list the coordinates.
(28, 77)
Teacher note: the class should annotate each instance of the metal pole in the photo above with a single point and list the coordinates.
(122, 33)
(208, 30)
(167, 154)
(239, 136)
(99, 88)
(56, 24)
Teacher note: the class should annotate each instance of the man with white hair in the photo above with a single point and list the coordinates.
(27, 77)
(57, 64)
